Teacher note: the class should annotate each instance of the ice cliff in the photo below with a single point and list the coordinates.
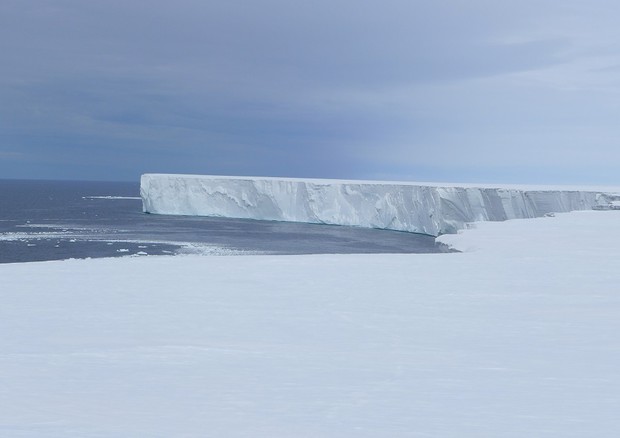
(419, 208)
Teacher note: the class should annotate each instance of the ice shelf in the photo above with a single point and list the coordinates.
(419, 208)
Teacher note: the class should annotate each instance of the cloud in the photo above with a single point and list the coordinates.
(328, 88)
(12, 155)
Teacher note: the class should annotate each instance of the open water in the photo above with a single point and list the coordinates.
(54, 220)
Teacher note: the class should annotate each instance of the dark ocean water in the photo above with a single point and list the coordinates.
(52, 220)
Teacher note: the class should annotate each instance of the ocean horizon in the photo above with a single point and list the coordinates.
(63, 219)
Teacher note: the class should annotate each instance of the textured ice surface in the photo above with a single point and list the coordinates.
(419, 208)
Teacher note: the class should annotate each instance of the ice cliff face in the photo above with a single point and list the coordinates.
(396, 206)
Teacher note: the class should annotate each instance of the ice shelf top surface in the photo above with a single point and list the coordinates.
(323, 181)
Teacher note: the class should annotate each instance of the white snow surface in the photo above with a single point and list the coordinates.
(414, 207)
(517, 337)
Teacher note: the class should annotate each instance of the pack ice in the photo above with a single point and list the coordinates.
(413, 207)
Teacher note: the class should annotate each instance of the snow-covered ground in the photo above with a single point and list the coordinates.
(518, 337)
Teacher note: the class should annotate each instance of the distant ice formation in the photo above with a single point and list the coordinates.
(412, 207)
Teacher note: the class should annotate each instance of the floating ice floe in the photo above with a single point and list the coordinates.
(112, 197)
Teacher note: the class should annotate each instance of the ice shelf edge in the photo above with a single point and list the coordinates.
(422, 208)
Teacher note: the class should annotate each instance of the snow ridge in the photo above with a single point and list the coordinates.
(408, 207)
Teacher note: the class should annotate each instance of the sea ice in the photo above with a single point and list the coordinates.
(516, 337)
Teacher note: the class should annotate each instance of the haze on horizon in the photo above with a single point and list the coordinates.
(456, 91)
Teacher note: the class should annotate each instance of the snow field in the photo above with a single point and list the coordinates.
(516, 337)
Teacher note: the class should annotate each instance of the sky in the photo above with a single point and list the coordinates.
(486, 91)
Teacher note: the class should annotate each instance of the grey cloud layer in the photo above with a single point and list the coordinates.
(398, 89)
